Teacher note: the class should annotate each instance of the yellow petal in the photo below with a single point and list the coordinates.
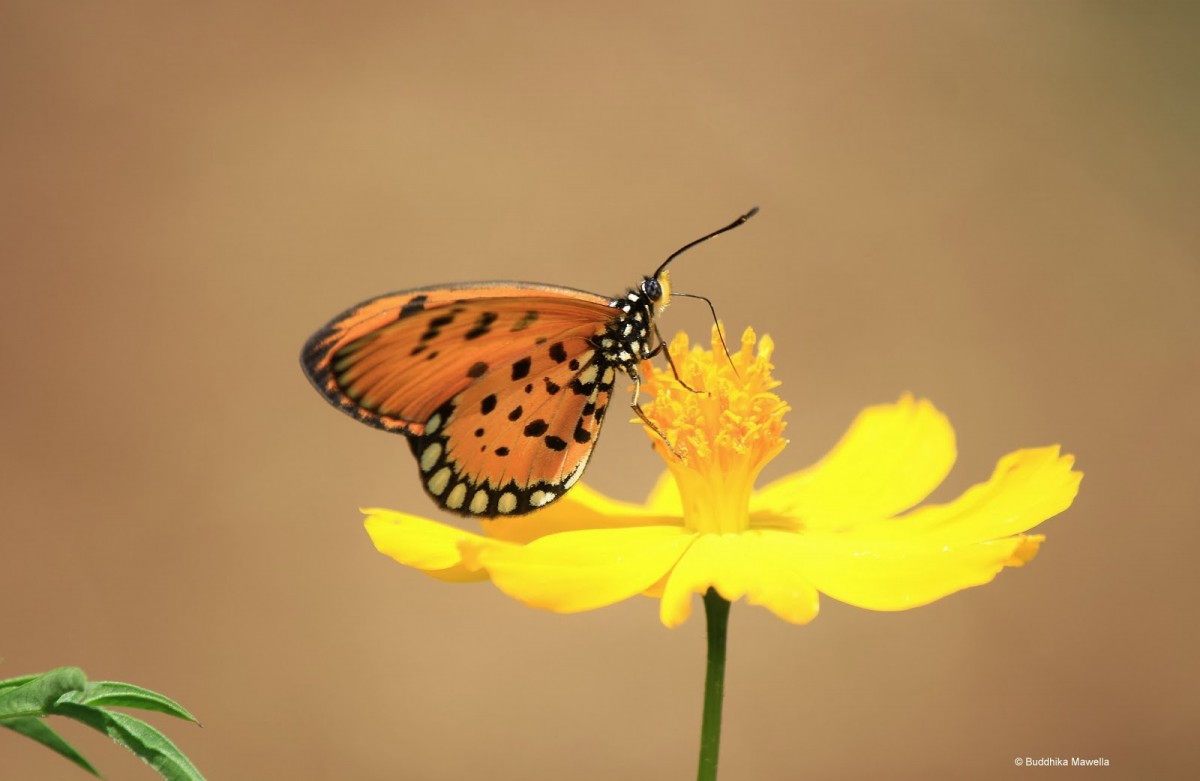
(426, 545)
(890, 458)
(894, 564)
(750, 564)
(900, 574)
(1026, 488)
(582, 570)
(581, 508)
(1030, 544)
(664, 497)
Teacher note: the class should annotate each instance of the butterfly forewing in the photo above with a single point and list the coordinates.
(393, 360)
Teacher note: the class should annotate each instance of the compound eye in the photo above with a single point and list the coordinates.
(652, 289)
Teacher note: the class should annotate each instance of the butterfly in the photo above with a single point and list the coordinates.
(499, 387)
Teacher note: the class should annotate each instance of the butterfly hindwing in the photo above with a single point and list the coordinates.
(520, 436)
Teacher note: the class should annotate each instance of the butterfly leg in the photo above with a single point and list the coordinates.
(661, 347)
(637, 407)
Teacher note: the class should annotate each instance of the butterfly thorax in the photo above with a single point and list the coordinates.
(625, 341)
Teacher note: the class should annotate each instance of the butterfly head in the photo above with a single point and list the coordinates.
(657, 290)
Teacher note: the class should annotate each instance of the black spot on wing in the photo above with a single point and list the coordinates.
(581, 435)
(520, 369)
(434, 327)
(488, 404)
(536, 428)
(412, 306)
(555, 443)
(483, 324)
(478, 369)
(528, 319)
(558, 352)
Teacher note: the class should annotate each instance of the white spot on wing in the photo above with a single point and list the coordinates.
(479, 501)
(437, 484)
(430, 456)
(540, 498)
(507, 502)
(456, 497)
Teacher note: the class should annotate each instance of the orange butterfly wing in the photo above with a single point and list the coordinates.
(519, 437)
(498, 386)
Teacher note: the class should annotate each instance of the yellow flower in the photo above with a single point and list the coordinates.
(842, 527)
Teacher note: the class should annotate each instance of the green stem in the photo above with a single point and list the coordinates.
(716, 611)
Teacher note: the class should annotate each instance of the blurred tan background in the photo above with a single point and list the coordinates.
(992, 204)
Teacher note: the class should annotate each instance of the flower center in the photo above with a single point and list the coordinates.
(723, 433)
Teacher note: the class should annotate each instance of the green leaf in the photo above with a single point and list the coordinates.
(40, 731)
(37, 695)
(16, 681)
(139, 737)
(126, 695)
(66, 692)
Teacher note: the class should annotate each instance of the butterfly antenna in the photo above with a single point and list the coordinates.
(720, 330)
(703, 239)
